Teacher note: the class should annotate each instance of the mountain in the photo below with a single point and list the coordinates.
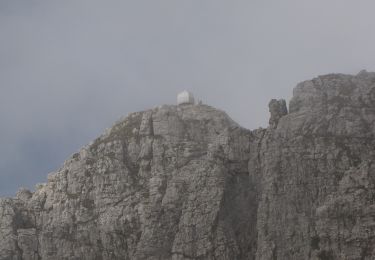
(187, 182)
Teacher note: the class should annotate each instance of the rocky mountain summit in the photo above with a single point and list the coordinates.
(187, 182)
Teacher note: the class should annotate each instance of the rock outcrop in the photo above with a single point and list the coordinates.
(187, 182)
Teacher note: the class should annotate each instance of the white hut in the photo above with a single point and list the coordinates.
(185, 97)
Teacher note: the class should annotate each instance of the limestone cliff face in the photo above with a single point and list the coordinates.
(186, 182)
(317, 173)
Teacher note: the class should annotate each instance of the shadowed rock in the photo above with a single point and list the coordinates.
(277, 110)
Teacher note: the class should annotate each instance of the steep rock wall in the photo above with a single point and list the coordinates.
(317, 198)
(186, 182)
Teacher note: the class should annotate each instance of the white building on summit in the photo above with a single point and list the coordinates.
(185, 97)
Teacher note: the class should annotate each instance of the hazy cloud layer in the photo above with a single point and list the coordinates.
(68, 69)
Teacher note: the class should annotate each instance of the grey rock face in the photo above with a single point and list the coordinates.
(317, 174)
(186, 182)
(277, 110)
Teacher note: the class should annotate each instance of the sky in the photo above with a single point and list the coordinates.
(69, 69)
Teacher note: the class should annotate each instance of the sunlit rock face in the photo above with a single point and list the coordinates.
(187, 182)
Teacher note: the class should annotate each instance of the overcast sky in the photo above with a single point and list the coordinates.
(69, 69)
